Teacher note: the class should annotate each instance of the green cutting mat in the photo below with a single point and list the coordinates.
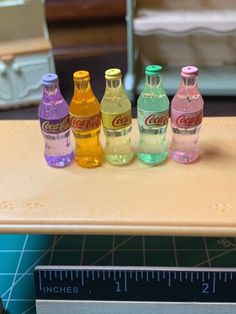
(19, 254)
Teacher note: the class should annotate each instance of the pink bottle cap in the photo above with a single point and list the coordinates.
(189, 71)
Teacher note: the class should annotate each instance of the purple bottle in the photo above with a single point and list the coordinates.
(54, 119)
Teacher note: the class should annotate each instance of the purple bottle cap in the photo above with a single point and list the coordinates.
(49, 79)
(189, 71)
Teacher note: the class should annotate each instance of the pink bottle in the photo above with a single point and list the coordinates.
(186, 118)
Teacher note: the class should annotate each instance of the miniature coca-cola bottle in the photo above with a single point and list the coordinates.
(54, 119)
(186, 118)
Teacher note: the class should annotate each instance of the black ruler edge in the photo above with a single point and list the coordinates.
(144, 268)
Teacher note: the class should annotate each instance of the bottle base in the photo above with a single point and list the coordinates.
(119, 160)
(59, 161)
(88, 162)
(152, 159)
(184, 157)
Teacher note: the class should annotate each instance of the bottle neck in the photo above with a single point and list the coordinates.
(82, 88)
(153, 82)
(114, 86)
(51, 90)
(189, 82)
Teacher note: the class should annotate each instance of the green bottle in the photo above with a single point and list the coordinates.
(153, 114)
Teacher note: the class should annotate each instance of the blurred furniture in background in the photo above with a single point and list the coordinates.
(80, 28)
(183, 32)
(25, 52)
(87, 35)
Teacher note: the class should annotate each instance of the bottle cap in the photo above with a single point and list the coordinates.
(189, 71)
(153, 69)
(113, 74)
(78, 75)
(49, 79)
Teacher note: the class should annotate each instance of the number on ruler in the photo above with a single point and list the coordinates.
(205, 287)
(118, 286)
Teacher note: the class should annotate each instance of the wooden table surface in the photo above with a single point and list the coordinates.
(170, 199)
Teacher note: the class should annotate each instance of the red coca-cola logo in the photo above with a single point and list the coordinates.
(120, 121)
(56, 126)
(189, 121)
(155, 120)
(85, 124)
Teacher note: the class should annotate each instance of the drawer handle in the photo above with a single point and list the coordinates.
(16, 68)
(3, 69)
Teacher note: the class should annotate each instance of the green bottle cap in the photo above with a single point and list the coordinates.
(153, 69)
(113, 74)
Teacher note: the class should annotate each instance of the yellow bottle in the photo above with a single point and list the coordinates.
(85, 119)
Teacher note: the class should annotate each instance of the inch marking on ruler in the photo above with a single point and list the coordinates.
(225, 277)
(152, 274)
(103, 275)
(130, 275)
(203, 276)
(40, 281)
(82, 278)
(141, 273)
(214, 283)
(169, 277)
(125, 281)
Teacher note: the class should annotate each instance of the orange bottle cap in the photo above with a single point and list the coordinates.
(81, 75)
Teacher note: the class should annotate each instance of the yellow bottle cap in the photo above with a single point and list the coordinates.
(78, 75)
(113, 74)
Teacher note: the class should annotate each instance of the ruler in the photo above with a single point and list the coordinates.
(103, 290)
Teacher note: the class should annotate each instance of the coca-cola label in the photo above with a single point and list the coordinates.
(85, 123)
(116, 121)
(186, 119)
(153, 119)
(55, 126)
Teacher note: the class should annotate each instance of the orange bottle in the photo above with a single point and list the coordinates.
(85, 119)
